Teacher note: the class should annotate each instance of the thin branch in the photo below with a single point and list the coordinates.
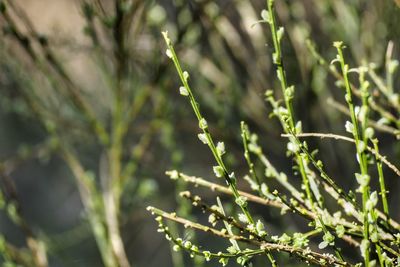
(375, 124)
(348, 139)
(219, 188)
(267, 246)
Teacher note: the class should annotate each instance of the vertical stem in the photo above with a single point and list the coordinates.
(90, 199)
(289, 122)
(113, 190)
(245, 138)
(229, 178)
(357, 138)
(381, 179)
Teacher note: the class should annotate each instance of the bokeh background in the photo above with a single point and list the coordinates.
(228, 56)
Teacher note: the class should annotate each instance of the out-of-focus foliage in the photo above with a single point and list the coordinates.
(90, 119)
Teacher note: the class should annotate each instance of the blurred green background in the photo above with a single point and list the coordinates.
(229, 59)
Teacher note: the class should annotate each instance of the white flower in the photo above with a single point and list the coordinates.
(338, 44)
(280, 33)
(298, 127)
(349, 127)
(220, 148)
(357, 110)
(185, 75)
(293, 147)
(212, 219)
(340, 230)
(323, 245)
(207, 255)
(348, 208)
(169, 53)
(361, 146)
(219, 171)
(232, 177)
(243, 218)
(372, 201)
(362, 179)
(187, 244)
(173, 174)
(264, 189)
(369, 133)
(241, 201)
(203, 138)
(289, 92)
(383, 121)
(362, 113)
(183, 91)
(203, 124)
(265, 15)
(260, 228)
(364, 247)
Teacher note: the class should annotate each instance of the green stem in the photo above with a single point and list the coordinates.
(381, 179)
(246, 138)
(230, 179)
(358, 136)
(289, 123)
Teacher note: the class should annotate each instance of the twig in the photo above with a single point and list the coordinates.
(266, 246)
(348, 139)
(223, 189)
